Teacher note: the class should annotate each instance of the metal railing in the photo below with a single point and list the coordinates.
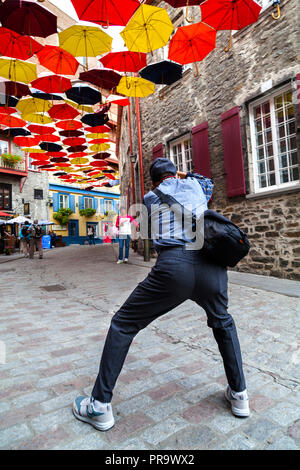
(17, 166)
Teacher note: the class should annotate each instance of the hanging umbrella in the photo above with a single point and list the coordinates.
(15, 131)
(18, 220)
(192, 43)
(11, 121)
(97, 136)
(50, 147)
(50, 138)
(71, 141)
(80, 107)
(59, 160)
(52, 84)
(58, 60)
(136, 87)
(119, 100)
(100, 128)
(7, 110)
(63, 111)
(85, 41)
(95, 119)
(33, 105)
(27, 141)
(99, 147)
(107, 79)
(124, 61)
(105, 12)
(34, 150)
(98, 141)
(10, 101)
(41, 129)
(80, 161)
(28, 18)
(71, 133)
(99, 164)
(163, 73)
(230, 14)
(77, 148)
(17, 70)
(16, 89)
(84, 95)
(39, 162)
(46, 96)
(69, 125)
(101, 156)
(149, 28)
(37, 118)
(56, 154)
(79, 154)
(14, 45)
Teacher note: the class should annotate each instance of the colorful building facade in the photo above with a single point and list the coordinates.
(105, 204)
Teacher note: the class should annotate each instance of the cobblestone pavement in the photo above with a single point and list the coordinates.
(170, 394)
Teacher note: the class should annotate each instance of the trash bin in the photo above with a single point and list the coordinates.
(46, 242)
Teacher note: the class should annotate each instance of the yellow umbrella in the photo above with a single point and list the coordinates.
(97, 136)
(33, 150)
(37, 118)
(18, 70)
(135, 86)
(99, 147)
(80, 107)
(33, 105)
(85, 41)
(148, 29)
(79, 161)
(66, 169)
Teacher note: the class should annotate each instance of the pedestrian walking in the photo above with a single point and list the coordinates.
(91, 234)
(35, 242)
(123, 225)
(25, 238)
(178, 275)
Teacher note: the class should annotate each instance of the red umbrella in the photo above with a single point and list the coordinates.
(39, 162)
(27, 141)
(58, 60)
(52, 84)
(98, 129)
(42, 130)
(192, 43)
(71, 141)
(11, 121)
(98, 141)
(62, 164)
(99, 164)
(16, 89)
(69, 125)
(40, 156)
(106, 12)
(28, 18)
(50, 138)
(71, 133)
(16, 46)
(79, 154)
(63, 111)
(107, 79)
(125, 61)
(7, 110)
(56, 154)
(229, 14)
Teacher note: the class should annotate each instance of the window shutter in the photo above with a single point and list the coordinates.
(81, 203)
(55, 202)
(201, 149)
(233, 153)
(72, 202)
(95, 203)
(102, 206)
(158, 151)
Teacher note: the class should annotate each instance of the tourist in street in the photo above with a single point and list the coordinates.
(54, 238)
(91, 234)
(25, 238)
(123, 225)
(36, 233)
(178, 275)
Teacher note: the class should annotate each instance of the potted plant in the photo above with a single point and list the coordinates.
(11, 160)
(89, 212)
(62, 215)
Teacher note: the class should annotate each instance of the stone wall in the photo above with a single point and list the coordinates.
(263, 51)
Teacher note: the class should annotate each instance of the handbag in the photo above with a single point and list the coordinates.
(224, 242)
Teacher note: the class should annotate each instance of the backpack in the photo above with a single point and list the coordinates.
(25, 231)
(37, 231)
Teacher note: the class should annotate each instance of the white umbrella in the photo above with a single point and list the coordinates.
(18, 220)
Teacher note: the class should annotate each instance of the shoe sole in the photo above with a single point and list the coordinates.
(237, 411)
(98, 426)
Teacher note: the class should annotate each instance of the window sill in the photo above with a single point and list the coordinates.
(274, 192)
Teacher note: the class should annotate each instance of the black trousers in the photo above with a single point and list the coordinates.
(178, 275)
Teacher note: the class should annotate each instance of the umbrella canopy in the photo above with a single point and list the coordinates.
(15, 131)
(85, 41)
(14, 45)
(79, 154)
(79, 161)
(46, 96)
(125, 61)
(59, 160)
(84, 95)
(101, 156)
(63, 111)
(45, 222)
(98, 141)
(28, 18)
(17, 70)
(77, 148)
(11, 121)
(95, 119)
(16, 89)
(99, 147)
(27, 141)
(10, 101)
(56, 154)
(42, 130)
(69, 125)
(50, 138)
(33, 105)
(52, 84)
(107, 79)
(164, 73)
(149, 28)
(73, 141)
(71, 133)
(105, 12)
(18, 220)
(58, 60)
(136, 87)
(37, 118)
(119, 100)
(100, 128)
(50, 147)
(99, 164)
(7, 110)
(192, 43)
(97, 136)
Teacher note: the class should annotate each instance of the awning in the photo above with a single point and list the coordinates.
(4, 214)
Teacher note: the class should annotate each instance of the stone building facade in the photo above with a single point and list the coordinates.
(238, 122)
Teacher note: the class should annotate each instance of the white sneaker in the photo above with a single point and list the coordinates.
(120, 261)
(239, 402)
(125, 260)
(84, 410)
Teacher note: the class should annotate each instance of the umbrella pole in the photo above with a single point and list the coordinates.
(192, 18)
(227, 48)
(197, 70)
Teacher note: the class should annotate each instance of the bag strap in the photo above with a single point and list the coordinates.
(171, 201)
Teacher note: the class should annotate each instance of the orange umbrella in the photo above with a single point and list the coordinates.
(63, 111)
(16, 46)
(7, 110)
(52, 84)
(27, 141)
(58, 60)
(192, 43)
(10, 121)
(69, 125)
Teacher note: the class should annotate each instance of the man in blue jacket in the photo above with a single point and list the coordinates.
(182, 272)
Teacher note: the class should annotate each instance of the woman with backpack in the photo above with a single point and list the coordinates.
(36, 233)
(25, 237)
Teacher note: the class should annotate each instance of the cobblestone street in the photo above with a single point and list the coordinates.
(54, 316)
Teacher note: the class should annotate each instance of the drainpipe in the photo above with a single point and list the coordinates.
(131, 152)
(138, 118)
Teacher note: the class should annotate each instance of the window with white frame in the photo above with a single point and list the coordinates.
(3, 147)
(88, 203)
(273, 140)
(63, 201)
(108, 205)
(181, 153)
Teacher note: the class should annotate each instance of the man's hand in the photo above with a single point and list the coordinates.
(181, 174)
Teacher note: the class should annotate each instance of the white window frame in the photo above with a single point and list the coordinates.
(63, 201)
(271, 98)
(185, 161)
(88, 203)
(2, 150)
(110, 203)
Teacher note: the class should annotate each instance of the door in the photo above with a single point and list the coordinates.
(73, 231)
